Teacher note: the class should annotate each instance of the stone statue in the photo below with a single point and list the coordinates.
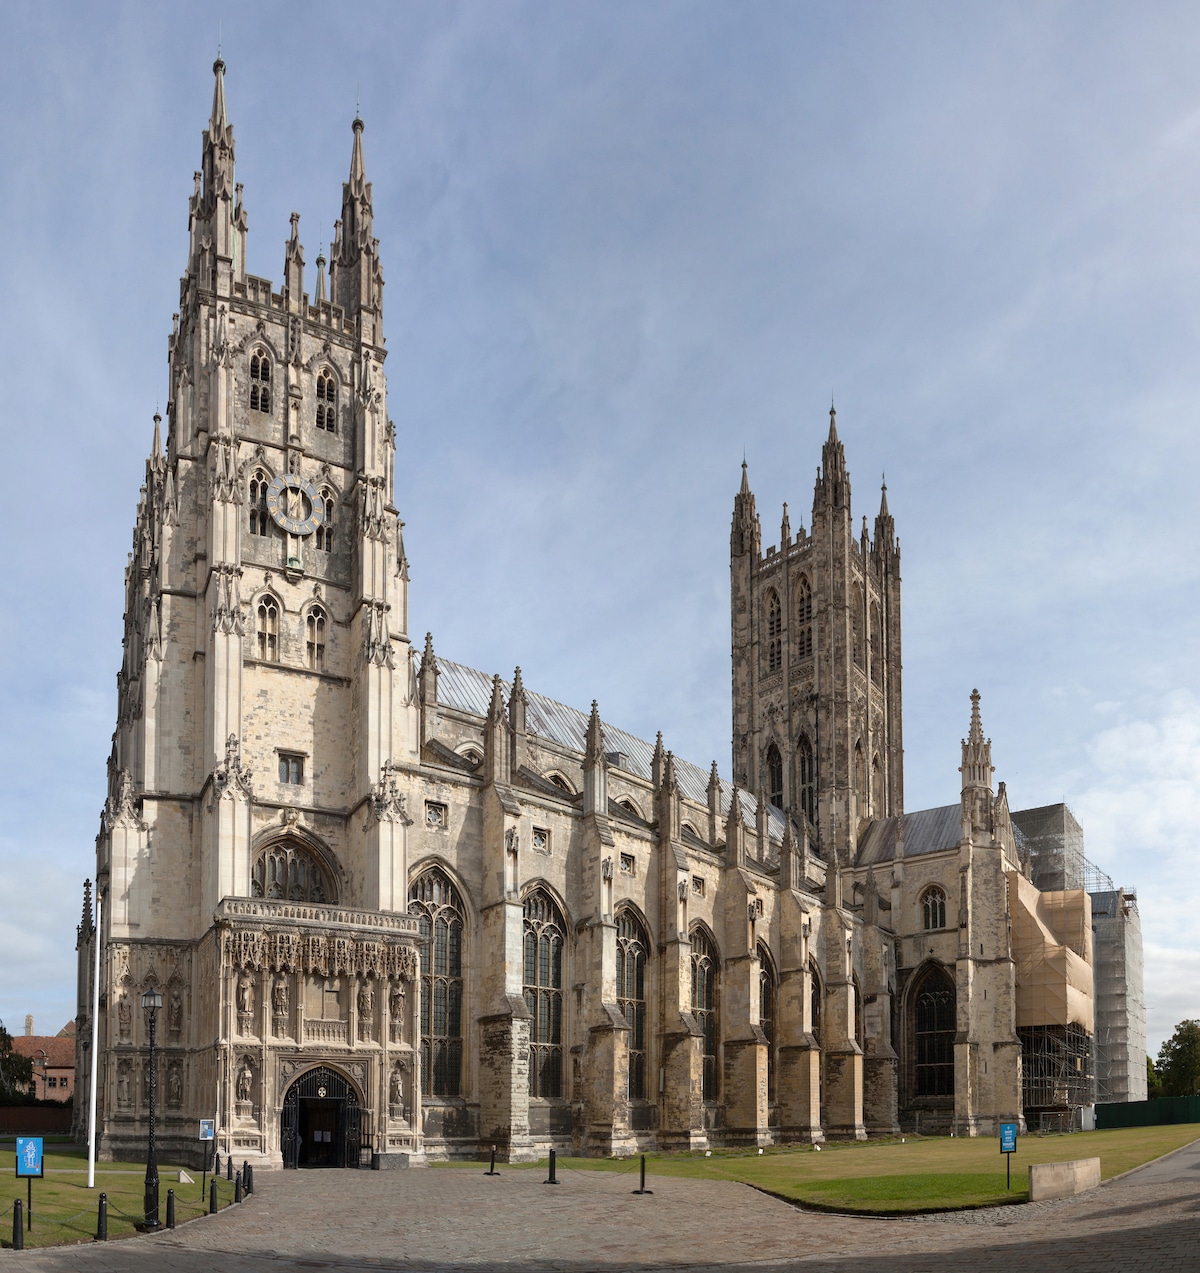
(123, 1086)
(396, 1003)
(245, 994)
(279, 996)
(395, 1089)
(125, 1017)
(175, 1086)
(245, 1079)
(175, 1013)
(366, 1009)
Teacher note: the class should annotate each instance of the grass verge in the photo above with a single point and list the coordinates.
(64, 1208)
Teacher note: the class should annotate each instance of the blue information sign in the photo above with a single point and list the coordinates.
(29, 1157)
(1008, 1138)
(208, 1129)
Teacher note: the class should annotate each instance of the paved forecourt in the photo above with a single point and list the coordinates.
(444, 1219)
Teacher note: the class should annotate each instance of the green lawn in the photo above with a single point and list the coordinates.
(64, 1208)
(919, 1174)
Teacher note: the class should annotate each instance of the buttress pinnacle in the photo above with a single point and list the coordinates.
(976, 734)
(219, 118)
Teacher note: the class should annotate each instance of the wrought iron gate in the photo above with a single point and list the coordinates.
(323, 1084)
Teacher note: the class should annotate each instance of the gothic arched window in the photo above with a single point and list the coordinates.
(268, 629)
(439, 910)
(804, 611)
(808, 778)
(260, 381)
(544, 938)
(774, 776)
(633, 947)
(290, 872)
(933, 904)
(876, 645)
(704, 1005)
(767, 1012)
(325, 530)
(315, 632)
(934, 1026)
(326, 402)
(774, 633)
(860, 774)
(259, 523)
(816, 998)
(876, 787)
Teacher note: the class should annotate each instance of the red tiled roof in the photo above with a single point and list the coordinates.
(58, 1051)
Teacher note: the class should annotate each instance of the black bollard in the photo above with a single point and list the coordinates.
(229, 1167)
(491, 1171)
(212, 1197)
(642, 1187)
(552, 1178)
(217, 1163)
(18, 1242)
(248, 1178)
(170, 1208)
(237, 1187)
(102, 1219)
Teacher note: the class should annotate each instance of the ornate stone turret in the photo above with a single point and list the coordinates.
(977, 770)
(356, 272)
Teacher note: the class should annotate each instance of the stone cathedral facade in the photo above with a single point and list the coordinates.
(399, 908)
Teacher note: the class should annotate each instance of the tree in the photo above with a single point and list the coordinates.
(16, 1071)
(1179, 1061)
(1154, 1087)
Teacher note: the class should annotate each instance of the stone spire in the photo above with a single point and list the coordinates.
(293, 267)
(833, 481)
(785, 529)
(215, 247)
(977, 770)
(885, 528)
(595, 767)
(518, 703)
(746, 535)
(356, 274)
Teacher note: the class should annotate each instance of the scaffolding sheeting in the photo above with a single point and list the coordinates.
(1052, 949)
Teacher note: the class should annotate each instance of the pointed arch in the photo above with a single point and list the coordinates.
(294, 867)
(266, 626)
(816, 1000)
(437, 904)
(774, 768)
(316, 624)
(261, 362)
(544, 942)
(768, 1009)
(933, 908)
(860, 775)
(877, 802)
(705, 989)
(876, 644)
(260, 518)
(808, 777)
(633, 958)
(932, 1024)
(804, 618)
(774, 632)
(327, 393)
(329, 502)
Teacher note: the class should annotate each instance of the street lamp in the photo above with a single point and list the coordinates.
(151, 1002)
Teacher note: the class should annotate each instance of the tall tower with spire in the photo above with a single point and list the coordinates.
(265, 701)
(816, 661)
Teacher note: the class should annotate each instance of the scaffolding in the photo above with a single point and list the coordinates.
(1056, 1068)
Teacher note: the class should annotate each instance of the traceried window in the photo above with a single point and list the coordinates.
(934, 906)
(260, 381)
(290, 872)
(325, 530)
(439, 909)
(704, 1005)
(876, 645)
(933, 1034)
(816, 998)
(808, 778)
(774, 776)
(804, 614)
(268, 629)
(876, 787)
(315, 632)
(327, 402)
(260, 523)
(774, 633)
(632, 949)
(291, 769)
(767, 1012)
(544, 938)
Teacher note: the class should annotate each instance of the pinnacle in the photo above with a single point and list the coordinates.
(358, 172)
(745, 487)
(833, 433)
(976, 734)
(883, 505)
(219, 118)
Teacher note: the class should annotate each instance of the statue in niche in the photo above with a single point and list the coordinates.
(396, 1005)
(366, 1009)
(396, 1090)
(280, 998)
(245, 1080)
(123, 1085)
(175, 1085)
(125, 1017)
(245, 1002)
(175, 1013)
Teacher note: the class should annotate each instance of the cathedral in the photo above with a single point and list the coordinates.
(399, 909)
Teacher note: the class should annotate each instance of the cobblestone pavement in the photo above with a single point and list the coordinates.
(450, 1219)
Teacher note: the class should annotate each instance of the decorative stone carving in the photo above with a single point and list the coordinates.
(366, 1011)
(122, 809)
(386, 802)
(244, 1087)
(175, 1084)
(606, 868)
(397, 1003)
(175, 1013)
(124, 1095)
(512, 841)
(403, 962)
(245, 1003)
(124, 1019)
(231, 779)
(377, 640)
(280, 1004)
(227, 601)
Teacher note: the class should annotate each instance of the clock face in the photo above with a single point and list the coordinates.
(295, 504)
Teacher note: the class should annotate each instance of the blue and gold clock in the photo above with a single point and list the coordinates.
(295, 504)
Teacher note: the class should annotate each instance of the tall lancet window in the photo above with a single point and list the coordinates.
(632, 948)
(436, 904)
(259, 520)
(327, 402)
(804, 614)
(704, 1005)
(775, 776)
(315, 631)
(325, 530)
(268, 629)
(767, 1012)
(808, 778)
(544, 936)
(260, 382)
(774, 633)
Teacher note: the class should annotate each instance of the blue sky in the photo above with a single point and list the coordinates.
(625, 243)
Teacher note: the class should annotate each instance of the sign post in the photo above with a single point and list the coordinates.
(1008, 1147)
(31, 1165)
(208, 1133)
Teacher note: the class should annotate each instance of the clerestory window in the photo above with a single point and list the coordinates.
(774, 776)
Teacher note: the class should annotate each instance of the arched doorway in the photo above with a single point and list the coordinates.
(322, 1121)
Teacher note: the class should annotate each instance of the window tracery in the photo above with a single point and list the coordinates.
(774, 776)
(325, 530)
(435, 902)
(259, 520)
(804, 614)
(260, 382)
(268, 629)
(704, 1005)
(544, 938)
(289, 872)
(767, 1012)
(934, 1025)
(816, 998)
(774, 633)
(315, 633)
(808, 778)
(933, 904)
(327, 402)
(632, 952)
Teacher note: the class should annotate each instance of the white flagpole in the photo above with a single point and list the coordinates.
(95, 1053)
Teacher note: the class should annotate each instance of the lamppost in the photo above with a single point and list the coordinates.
(151, 1002)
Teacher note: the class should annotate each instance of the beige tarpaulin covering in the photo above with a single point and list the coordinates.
(1052, 947)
